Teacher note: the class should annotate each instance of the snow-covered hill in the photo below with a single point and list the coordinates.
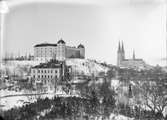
(81, 66)
(85, 66)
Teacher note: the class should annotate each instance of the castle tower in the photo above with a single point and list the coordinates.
(82, 51)
(61, 50)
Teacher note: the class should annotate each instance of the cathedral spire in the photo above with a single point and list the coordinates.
(133, 54)
(123, 47)
(119, 47)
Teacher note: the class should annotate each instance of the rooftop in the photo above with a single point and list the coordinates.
(80, 46)
(45, 44)
(133, 60)
(61, 41)
(50, 64)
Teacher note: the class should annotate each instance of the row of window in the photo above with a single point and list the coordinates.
(52, 52)
(45, 55)
(45, 76)
(46, 52)
(45, 48)
(45, 71)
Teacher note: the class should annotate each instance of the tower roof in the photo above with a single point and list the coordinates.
(45, 44)
(122, 47)
(61, 41)
(133, 54)
(119, 47)
(81, 46)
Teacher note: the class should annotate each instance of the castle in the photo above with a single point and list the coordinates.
(59, 51)
(128, 63)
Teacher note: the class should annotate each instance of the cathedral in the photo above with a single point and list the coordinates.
(128, 63)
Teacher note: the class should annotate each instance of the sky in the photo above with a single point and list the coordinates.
(97, 24)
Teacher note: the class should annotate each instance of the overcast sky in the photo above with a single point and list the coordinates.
(96, 24)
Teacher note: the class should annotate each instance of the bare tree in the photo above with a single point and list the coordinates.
(155, 97)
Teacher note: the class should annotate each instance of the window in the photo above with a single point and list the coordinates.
(33, 76)
(48, 76)
(42, 76)
(38, 76)
(55, 71)
(38, 71)
(51, 71)
(41, 71)
(45, 76)
(48, 71)
(45, 71)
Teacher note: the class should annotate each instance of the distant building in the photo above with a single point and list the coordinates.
(50, 74)
(128, 63)
(59, 51)
(46, 74)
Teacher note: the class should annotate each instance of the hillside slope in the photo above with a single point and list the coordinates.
(81, 66)
(86, 66)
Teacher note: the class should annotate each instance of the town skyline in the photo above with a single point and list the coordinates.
(83, 60)
(99, 28)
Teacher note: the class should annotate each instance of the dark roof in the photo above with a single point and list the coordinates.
(133, 60)
(81, 46)
(45, 44)
(50, 64)
(61, 41)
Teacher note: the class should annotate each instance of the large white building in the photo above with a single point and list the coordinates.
(47, 74)
(50, 74)
(59, 51)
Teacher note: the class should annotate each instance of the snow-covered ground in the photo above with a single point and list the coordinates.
(11, 99)
(88, 67)
(115, 83)
(114, 117)
(16, 101)
(119, 117)
(84, 66)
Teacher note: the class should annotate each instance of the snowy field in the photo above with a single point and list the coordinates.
(16, 101)
(12, 99)
(119, 117)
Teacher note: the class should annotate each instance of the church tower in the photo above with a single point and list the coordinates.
(123, 51)
(120, 54)
(133, 55)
